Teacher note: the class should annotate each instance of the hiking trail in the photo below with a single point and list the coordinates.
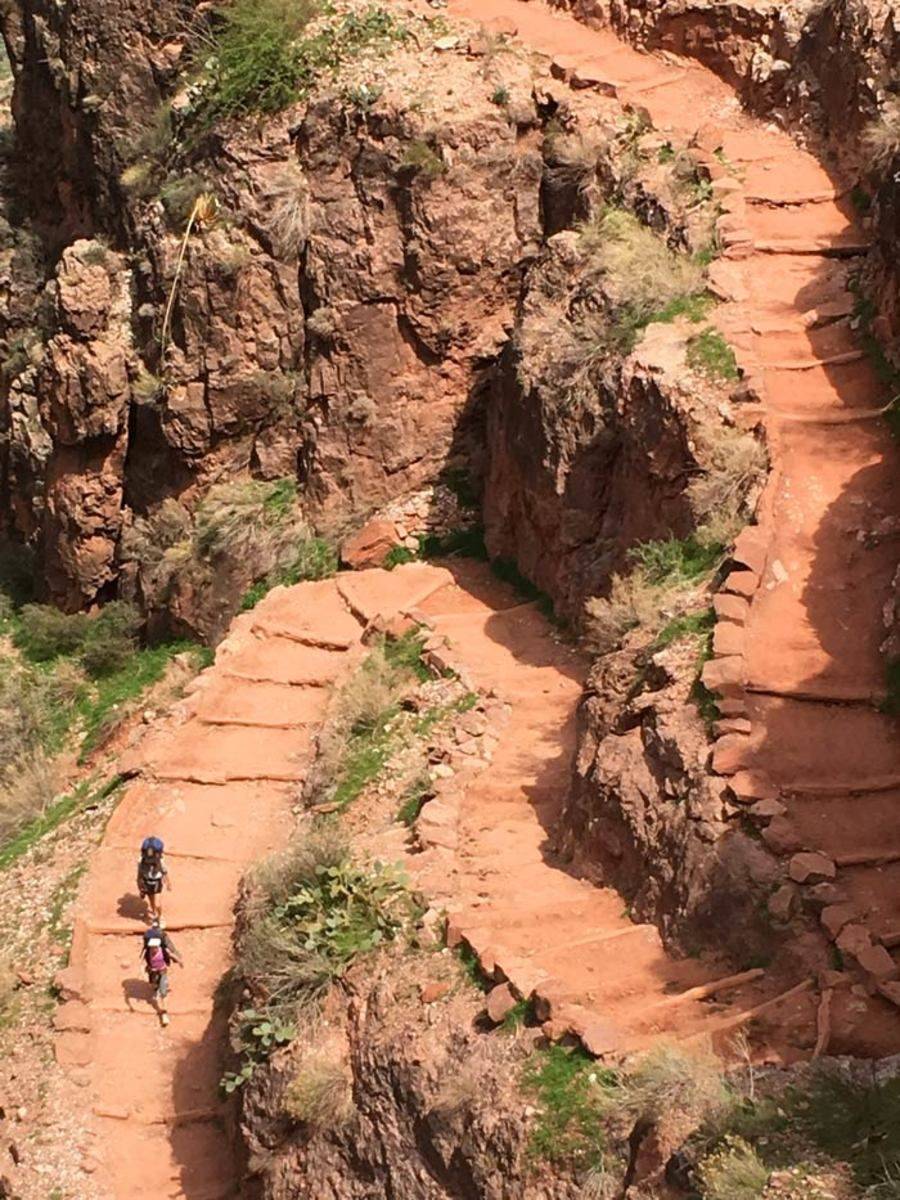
(797, 662)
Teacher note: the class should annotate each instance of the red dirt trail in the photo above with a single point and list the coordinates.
(801, 663)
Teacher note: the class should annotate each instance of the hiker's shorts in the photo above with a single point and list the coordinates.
(159, 981)
(150, 887)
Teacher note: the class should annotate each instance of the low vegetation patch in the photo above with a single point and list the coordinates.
(733, 1172)
(642, 279)
(573, 1096)
(664, 575)
(247, 528)
(312, 912)
(423, 159)
(268, 54)
(710, 355)
(360, 738)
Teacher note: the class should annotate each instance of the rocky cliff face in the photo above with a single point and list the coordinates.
(437, 1112)
(338, 298)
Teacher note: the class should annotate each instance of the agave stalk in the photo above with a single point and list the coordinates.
(203, 213)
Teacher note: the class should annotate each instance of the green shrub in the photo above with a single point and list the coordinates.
(397, 556)
(257, 65)
(110, 639)
(663, 574)
(709, 354)
(313, 913)
(423, 159)
(674, 560)
(44, 632)
(641, 275)
(574, 1095)
(262, 62)
(853, 1121)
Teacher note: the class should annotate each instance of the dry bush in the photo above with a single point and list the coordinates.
(601, 1184)
(460, 1089)
(288, 204)
(26, 791)
(363, 701)
(734, 1172)
(321, 1092)
(882, 136)
(672, 1082)
(640, 272)
(733, 464)
(9, 1000)
(632, 602)
(574, 157)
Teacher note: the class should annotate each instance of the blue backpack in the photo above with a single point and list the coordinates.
(152, 844)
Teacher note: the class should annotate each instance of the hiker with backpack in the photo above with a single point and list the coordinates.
(151, 875)
(158, 953)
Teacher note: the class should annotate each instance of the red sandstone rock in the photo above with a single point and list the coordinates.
(436, 990)
(836, 916)
(370, 546)
(877, 962)
(781, 836)
(811, 868)
(500, 1001)
(854, 939)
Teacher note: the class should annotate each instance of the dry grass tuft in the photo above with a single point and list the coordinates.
(734, 1172)
(574, 157)
(882, 137)
(289, 217)
(321, 1092)
(640, 272)
(671, 1082)
(734, 462)
(27, 789)
(632, 602)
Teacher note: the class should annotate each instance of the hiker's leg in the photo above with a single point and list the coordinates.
(162, 991)
(153, 898)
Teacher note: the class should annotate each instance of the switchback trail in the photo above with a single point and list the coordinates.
(797, 661)
(797, 646)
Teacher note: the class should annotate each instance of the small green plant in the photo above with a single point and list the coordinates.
(472, 968)
(397, 556)
(573, 1094)
(500, 96)
(518, 1016)
(666, 153)
(709, 354)
(413, 799)
(314, 558)
(423, 160)
(674, 560)
(346, 911)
